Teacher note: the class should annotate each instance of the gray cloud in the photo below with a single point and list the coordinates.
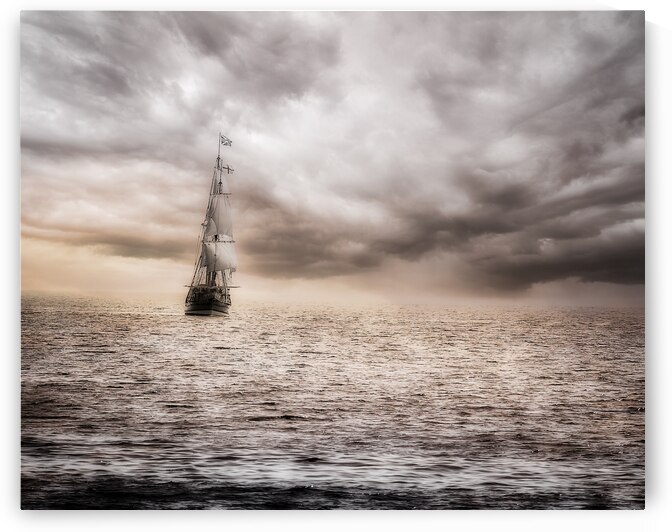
(510, 142)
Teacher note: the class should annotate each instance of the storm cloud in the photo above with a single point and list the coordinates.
(508, 145)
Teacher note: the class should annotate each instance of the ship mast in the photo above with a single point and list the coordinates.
(216, 258)
(218, 209)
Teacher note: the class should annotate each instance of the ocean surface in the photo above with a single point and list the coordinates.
(133, 405)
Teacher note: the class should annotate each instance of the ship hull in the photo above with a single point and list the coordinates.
(207, 302)
(204, 309)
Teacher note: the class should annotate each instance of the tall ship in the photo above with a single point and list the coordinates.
(209, 291)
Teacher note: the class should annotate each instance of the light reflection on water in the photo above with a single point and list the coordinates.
(128, 405)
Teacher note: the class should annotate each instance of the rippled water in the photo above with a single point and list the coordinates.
(135, 405)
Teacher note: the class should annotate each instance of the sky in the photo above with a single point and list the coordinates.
(403, 157)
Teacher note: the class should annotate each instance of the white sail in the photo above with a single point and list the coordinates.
(222, 186)
(220, 256)
(219, 220)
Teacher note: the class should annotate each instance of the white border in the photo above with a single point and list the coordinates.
(659, 174)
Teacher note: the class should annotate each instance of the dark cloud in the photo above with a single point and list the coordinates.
(509, 143)
(141, 84)
(269, 55)
(616, 258)
(121, 244)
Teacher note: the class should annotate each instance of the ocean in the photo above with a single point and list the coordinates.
(133, 405)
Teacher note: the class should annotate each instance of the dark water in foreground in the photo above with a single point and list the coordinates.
(130, 405)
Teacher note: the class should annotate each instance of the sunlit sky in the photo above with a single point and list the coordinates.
(403, 157)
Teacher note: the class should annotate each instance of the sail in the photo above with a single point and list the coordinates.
(222, 186)
(219, 221)
(220, 256)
